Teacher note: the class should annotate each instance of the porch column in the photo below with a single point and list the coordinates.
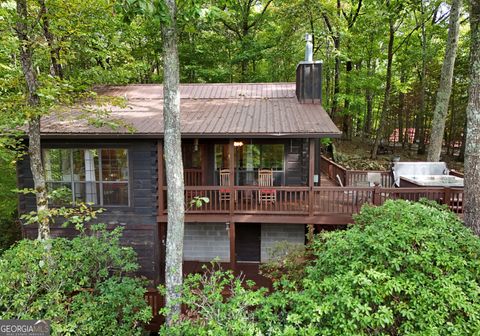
(231, 166)
(311, 173)
(233, 257)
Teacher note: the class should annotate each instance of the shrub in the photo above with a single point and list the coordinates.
(286, 261)
(81, 285)
(401, 269)
(216, 303)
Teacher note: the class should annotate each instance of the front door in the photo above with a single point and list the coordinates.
(247, 242)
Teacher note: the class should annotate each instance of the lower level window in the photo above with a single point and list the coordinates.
(96, 176)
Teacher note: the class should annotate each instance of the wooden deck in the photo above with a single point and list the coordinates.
(327, 203)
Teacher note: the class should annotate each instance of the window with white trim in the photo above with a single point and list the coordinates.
(96, 176)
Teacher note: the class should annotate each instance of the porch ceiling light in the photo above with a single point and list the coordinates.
(238, 143)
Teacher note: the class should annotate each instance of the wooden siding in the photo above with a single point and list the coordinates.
(138, 219)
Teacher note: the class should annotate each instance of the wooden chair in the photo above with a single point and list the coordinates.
(224, 194)
(265, 179)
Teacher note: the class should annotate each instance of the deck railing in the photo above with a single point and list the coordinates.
(351, 177)
(303, 201)
(193, 176)
(332, 169)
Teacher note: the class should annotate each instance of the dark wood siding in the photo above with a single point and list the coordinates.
(139, 219)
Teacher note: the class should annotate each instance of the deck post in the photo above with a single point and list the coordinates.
(160, 172)
(231, 164)
(311, 173)
(376, 195)
(447, 196)
(233, 257)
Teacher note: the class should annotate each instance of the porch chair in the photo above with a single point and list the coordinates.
(265, 179)
(224, 194)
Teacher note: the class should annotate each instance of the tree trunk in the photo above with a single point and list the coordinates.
(450, 139)
(401, 111)
(34, 144)
(472, 149)
(173, 164)
(367, 127)
(388, 86)
(336, 77)
(56, 68)
(445, 88)
(419, 122)
(347, 116)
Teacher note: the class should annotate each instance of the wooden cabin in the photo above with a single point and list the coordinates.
(252, 149)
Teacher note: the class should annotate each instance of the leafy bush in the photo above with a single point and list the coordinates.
(9, 228)
(217, 303)
(81, 285)
(286, 261)
(402, 269)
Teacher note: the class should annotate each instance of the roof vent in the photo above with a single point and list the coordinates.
(309, 76)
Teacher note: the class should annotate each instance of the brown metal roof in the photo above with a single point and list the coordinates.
(208, 110)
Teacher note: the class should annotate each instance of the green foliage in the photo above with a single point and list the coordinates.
(81, 285)
(286, 261)
(76, 215)
(217, 303)
(9, 228)
(402, 269)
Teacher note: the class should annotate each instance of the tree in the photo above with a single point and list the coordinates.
(388, 84)
(472, 148)
(33, 102)
(445, 89)
(173, 162)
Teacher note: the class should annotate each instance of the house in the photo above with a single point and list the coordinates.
(252, 149)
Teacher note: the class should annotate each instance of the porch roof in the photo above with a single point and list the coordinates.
(207, 110)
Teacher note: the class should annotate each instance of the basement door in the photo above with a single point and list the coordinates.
(247, 242)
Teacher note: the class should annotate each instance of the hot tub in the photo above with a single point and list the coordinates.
(430, 181)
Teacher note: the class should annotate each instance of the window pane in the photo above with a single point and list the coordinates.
(57, 165)
(221, 156)
(272, 156)
(115, 194)
(87, 192)
(85, 165)
(114, 165)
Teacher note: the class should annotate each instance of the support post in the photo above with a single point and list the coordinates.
(376, 197)
(233, 257)
(231, 163)
(311, 172)
(448, 196)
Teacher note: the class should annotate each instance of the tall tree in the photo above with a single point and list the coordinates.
(33, 107)
(472, 149)
(388, 85)
(445, 88)
(173, 162)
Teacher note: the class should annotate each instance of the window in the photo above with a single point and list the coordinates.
(251, 157)
(97, 176)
